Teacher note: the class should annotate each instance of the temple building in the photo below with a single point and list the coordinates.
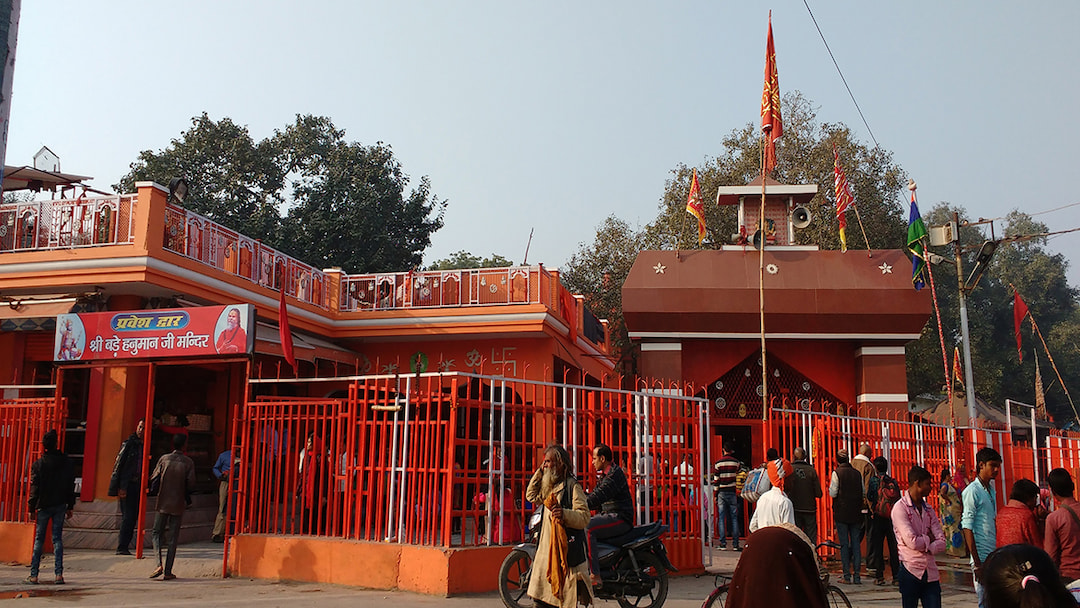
(835, 323)
(131, 306)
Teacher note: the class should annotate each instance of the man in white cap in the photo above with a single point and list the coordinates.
(774, 507)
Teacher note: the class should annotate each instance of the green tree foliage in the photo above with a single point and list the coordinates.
(1022, 264)
(805, 156)
(344, 204)
(232, 179)
(463, 259)
(597, 270)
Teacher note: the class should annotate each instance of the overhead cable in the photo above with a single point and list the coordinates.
(838, 71)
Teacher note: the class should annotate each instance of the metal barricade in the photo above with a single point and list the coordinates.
(23, 422)
(444, 459)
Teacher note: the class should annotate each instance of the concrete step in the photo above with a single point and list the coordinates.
(94, 525)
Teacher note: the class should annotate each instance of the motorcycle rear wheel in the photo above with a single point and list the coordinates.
(652, 567)
(514, 580)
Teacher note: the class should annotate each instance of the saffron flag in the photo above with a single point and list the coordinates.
(916, 231)
(771, 124)
(696, 207)
(1020, 310)
(957, 371)
(285, 333)
(844, 198)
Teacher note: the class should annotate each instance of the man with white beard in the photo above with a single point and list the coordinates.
(565, 519)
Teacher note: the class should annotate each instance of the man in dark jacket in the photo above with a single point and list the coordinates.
(174, 476)
(803, 487)
(611, 497)
(846, 489)
(52, 497)
(125, 485)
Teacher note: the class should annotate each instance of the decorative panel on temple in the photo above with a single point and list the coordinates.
(737, 393)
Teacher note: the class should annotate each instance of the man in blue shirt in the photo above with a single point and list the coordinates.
(980, 510)
(222, 470)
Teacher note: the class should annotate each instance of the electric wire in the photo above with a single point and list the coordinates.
(1047, 235)
(1007, 239)
(1039, 235)
(987, 220)
(838, 71)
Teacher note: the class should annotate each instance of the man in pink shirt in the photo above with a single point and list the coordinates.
(1062, 539)
(918, 538)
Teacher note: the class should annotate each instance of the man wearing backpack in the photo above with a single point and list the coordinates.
(885, 491)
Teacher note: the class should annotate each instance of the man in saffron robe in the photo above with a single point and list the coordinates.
(554, 581)
(232, 339)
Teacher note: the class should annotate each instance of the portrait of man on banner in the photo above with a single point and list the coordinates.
(231, 339)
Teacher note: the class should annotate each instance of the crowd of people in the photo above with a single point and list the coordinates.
(1021, 555)
(1027, 553)
(52, 499)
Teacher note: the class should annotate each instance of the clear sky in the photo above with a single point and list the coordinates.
(555, 115)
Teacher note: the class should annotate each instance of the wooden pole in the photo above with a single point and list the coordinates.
(1054, 365)
(761, 290)
(861, 227)
(941, 340)
(682, 225)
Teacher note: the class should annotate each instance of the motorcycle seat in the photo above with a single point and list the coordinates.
(637, 533)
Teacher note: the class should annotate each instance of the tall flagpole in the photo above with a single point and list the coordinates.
(771, 128)
(761, 288)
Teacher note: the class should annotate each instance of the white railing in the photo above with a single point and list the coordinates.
(194, 236)
(91, 221)
(447, 288)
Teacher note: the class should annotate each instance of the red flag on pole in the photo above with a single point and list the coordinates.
(286, 333)
(771, 124)
(958, 372)
(570, 313)
(1020, 310)
(844, 198)
(696, 207)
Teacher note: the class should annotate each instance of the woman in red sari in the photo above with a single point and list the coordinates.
(311, 491)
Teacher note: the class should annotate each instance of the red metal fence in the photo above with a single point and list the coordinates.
(905, 442)
(444, 459)
(23, 422)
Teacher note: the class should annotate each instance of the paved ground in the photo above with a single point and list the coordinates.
(97, 578)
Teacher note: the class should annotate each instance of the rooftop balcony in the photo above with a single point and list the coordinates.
(139, 220)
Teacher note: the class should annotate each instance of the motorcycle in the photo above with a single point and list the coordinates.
(633, 567)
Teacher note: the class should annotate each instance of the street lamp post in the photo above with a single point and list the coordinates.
(969, 385)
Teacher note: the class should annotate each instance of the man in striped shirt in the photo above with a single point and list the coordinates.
(727, 502)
